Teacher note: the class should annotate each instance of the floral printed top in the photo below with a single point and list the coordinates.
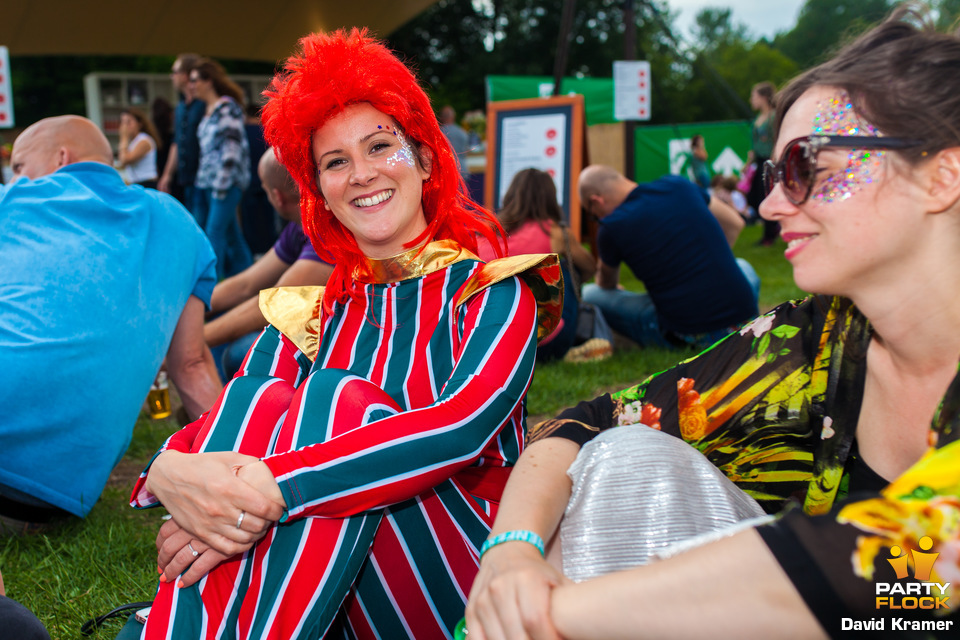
(224, 150)
(775, 407)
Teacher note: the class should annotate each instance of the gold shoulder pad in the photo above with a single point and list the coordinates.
(540, 271)
(295, 312)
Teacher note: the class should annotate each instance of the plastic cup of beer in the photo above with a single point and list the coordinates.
(158, 400)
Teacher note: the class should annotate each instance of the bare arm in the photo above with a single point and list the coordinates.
(129, 157)
(248, 283)
(511, 594)
(730, 221)
(246, 317)
(730, 588)
(607, 277)
(171, 166)
(190, 363)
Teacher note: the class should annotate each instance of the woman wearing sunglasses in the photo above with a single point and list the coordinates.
(838, 415)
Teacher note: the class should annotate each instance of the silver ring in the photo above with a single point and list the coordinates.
(240, 519)
(192, 550)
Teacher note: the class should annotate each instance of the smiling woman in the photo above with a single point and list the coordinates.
(345, 480)
(371, 179)
(838, 415)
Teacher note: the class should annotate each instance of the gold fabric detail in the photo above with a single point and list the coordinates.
(411, 264)
(540, 272)
(295, 312)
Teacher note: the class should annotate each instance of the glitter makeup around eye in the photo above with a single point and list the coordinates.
(861, 167)
(404, 154)
(837, 117)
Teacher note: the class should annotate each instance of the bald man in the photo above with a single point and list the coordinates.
(677, 239)
(291, 262)
(100, 281)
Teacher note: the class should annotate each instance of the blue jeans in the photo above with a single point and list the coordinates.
(218, 218)
(228, 357)
(751, 275)
(633, 315)
(628, 313)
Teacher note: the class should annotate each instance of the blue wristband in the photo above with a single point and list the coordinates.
(520, 535)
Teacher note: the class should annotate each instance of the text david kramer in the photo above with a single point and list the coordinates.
(896, 624)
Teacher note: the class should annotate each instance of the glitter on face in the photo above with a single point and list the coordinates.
(837, 117)
(404, 154)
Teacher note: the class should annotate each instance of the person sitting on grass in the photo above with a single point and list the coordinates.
(677, 240)
(839, 413)
(92, 298)
(533, 220)
(362, 449)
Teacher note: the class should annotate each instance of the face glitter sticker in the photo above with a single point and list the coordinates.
(404, 154)
(837, 117)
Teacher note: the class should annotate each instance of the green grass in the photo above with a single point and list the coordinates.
(85, 568)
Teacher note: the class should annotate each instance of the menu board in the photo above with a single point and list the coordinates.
(543, 133)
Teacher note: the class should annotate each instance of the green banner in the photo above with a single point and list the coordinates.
(663, 149)
(597, 92)
(659, 149)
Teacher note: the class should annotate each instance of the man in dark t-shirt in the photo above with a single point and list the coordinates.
(676, 239)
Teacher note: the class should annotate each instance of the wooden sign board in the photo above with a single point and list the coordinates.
(543, 133)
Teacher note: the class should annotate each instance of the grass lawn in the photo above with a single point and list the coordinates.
(86, 568)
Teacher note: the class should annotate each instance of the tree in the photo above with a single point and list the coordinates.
(824, 25)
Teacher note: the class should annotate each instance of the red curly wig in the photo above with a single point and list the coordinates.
(335, 70)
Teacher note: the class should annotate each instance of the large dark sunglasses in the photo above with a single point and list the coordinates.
(797, 169)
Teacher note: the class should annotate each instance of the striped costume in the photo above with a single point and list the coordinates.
(391, 450)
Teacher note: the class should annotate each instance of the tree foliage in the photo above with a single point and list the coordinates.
(455, 44)
(825, 24)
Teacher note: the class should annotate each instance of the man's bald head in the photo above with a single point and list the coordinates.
(279, 185)
(603, 189)
(51, 143)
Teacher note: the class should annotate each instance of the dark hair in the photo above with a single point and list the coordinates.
(161, 114)
(145, 124)
(765, 90)
(213, 71)
(532, 195)
(696, 139)
(900, 78)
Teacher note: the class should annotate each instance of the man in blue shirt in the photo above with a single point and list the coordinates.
(677, 240)
(184, 158)
(100, 282)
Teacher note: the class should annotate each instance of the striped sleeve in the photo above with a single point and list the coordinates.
(400, 456)
(272, 357)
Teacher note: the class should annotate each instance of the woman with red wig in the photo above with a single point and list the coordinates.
(345, 481)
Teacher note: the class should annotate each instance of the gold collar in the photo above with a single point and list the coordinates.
(413, 263)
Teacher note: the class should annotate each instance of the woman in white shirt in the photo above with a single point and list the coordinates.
(138, 148)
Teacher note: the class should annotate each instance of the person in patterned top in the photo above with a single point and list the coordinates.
(224, 169)
(838, 415)
(344, 482)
